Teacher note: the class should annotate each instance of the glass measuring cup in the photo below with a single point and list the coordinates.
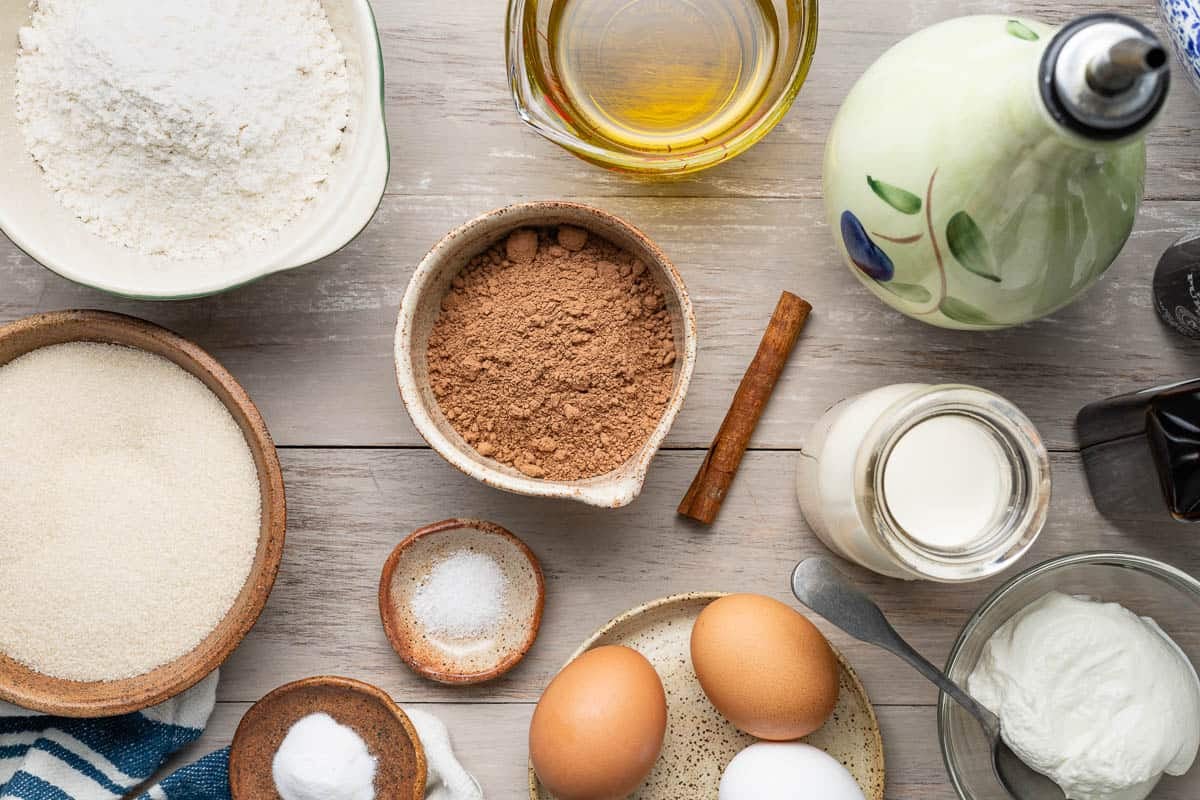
(699, 104)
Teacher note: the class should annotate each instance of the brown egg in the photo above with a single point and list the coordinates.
(765, 666)
(599, 726)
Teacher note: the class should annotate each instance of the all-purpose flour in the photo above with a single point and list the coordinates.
(183, 127)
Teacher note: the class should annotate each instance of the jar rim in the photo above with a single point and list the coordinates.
(1009, 536)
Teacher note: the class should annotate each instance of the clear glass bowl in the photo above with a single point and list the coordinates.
(1147, 587)
(545, 106)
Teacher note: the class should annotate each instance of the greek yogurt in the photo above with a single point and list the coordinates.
(1092, 695)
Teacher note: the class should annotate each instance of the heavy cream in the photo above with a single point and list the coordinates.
(1091, 695)
(946, 483)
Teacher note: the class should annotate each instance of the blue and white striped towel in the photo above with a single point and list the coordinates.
(53, 758)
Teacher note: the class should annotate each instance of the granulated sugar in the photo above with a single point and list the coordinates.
(131, 511)
(185, 128)
(463, 596)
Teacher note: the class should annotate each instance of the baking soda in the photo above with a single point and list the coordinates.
(462, 597)
(321, 759)
(131, 511)
(183, 128)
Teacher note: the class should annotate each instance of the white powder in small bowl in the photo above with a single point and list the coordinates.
(131, 511)
(321, 759)
(462, 597)
(461, 600)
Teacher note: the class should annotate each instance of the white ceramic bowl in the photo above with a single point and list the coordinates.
(422, 303)
(54, 237)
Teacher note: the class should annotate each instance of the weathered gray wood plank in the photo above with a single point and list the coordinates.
(313, 346)
(455, 131)
(349, 508)
(490, 740)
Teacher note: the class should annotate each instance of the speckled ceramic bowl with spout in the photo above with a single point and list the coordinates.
(422, 303)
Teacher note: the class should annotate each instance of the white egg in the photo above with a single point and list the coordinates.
(787, 771)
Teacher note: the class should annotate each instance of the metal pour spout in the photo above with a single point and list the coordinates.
(1117, 69)
(1104, 76)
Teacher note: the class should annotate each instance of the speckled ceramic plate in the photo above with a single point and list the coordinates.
(700, 743)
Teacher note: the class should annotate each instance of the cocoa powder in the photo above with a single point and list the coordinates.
(553, 353)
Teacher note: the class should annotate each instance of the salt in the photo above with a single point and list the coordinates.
(321, 759)
(462, 597)
(131, 511)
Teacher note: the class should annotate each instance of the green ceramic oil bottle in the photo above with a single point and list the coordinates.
(986, 171)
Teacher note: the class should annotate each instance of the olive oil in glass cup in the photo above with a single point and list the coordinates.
(658, 87)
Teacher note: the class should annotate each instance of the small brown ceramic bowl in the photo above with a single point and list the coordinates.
(445, 658)
(29, 689)
(423, 301)
(368, 711)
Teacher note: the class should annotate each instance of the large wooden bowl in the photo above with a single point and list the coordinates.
(32, 690)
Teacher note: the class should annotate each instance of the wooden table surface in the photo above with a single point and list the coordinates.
(313, 348)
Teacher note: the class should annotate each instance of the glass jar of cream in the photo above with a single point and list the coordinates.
(946, 483)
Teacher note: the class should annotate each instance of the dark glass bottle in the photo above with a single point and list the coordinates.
(1141, 452)
(1177, 286)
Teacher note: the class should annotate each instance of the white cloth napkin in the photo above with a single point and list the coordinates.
(448, 780)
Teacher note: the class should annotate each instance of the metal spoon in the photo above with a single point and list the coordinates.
(818, 585)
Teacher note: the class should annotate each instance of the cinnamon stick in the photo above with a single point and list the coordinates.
(707, 492)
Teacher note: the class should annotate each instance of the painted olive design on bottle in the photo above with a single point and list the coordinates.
(964, 239)
(865, 254)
